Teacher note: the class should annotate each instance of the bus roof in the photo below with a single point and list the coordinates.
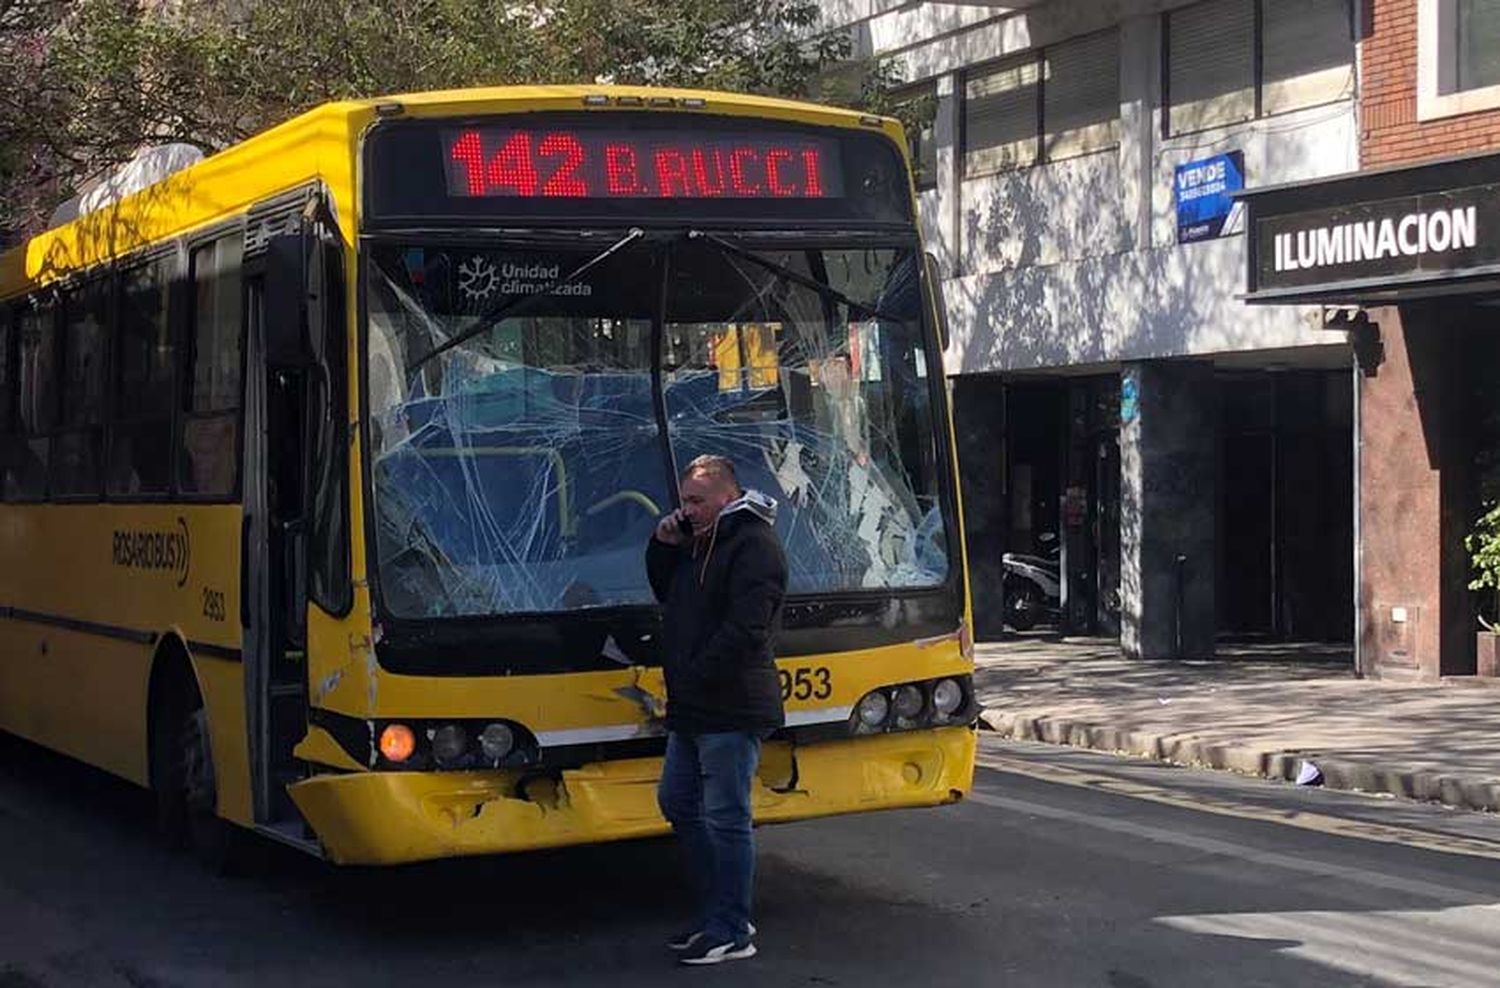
(322, 143)
(572, 96)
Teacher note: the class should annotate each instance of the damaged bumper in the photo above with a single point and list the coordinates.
(392, 817)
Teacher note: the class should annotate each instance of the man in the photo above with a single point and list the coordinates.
(718, 569)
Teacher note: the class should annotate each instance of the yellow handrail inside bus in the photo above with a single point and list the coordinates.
(642, 499)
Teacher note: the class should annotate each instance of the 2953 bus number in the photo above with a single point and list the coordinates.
(806, 683)
(213, 605)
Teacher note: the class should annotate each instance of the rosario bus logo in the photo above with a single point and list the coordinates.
(163, 549)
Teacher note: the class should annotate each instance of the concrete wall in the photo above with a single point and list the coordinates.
(1076, 262)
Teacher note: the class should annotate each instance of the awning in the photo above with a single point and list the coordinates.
(1377, 236)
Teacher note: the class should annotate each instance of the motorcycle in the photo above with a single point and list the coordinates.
(1033, 585)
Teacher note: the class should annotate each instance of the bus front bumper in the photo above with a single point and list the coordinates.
(393, 817)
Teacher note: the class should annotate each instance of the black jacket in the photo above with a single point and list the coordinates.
(721, 602)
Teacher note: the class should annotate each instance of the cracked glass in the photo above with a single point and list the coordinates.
(518, 459)
(520, 470)
(806, 368)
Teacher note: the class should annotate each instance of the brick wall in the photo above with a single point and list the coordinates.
(1389, 130)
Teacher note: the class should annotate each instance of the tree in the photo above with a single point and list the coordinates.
(25, 102)
(1483, 544)
(105, 77)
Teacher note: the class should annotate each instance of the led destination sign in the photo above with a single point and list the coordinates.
(556, 163)
(623, 169)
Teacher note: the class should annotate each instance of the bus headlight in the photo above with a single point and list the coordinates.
(449, 743)
(908, 703)
(873, 709)
(947, 697)
(496, 741)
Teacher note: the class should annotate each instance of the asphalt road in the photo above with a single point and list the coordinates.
(1065, 868)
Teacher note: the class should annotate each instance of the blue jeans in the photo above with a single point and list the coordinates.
(705, 796)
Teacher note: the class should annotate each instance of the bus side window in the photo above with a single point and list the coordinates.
(10, 442)
(140, 448)
(209, 464)
(26, 475)
(76, 447)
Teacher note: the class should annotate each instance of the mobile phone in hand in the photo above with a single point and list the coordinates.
(685, 526)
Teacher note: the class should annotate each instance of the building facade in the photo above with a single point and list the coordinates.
(1193, 454)
(1409, 253)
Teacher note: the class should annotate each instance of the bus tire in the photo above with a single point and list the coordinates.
(170, 685)
(185, 782)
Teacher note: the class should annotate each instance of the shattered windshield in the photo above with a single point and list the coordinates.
(522, 468)
(822, 404)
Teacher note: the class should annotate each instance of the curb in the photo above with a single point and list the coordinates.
(1463, 792)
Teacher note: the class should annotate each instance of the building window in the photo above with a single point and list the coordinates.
(1476, 28)
(1081, 96)
(1307, 54)
(1458, 57)
(917, 108)
(1002, 117)
(1047, 105)
(1227, 62)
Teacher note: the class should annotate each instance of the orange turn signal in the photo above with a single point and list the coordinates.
(397, 742)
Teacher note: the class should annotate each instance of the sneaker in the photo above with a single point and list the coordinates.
(684, 940)
(704, 952)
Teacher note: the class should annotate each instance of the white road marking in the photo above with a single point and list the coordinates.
(1457, 947)
(1251, 855)
(1428, 840)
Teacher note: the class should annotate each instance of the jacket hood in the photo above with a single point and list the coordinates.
(762, 506)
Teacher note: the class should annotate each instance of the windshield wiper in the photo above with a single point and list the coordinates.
(487, 320)
(828, 291)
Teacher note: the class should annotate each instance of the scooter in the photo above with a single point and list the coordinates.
(1032, 585)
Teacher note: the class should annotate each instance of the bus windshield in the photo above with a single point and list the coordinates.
(520, 467)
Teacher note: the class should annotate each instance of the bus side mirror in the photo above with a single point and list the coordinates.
(935, 283)
(285, 321)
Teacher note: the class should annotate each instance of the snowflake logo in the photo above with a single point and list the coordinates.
(477, 278)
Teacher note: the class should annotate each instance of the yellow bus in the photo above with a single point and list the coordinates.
(329, 462)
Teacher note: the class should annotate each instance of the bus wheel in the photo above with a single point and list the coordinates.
(186, 787)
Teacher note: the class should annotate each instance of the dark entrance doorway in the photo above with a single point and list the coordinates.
(1063, 493)
(1286, 505)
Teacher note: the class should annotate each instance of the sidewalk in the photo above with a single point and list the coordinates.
(1259, 710)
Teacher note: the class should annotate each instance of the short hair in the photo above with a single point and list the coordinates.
(712, 466)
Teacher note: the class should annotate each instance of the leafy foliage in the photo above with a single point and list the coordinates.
(1484, 554)
(103, 78)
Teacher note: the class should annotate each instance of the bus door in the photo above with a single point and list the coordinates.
(279, 374)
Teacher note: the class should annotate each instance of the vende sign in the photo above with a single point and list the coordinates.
(1205, 195)
(1437, 233)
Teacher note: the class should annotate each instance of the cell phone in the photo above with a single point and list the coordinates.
(685, 526)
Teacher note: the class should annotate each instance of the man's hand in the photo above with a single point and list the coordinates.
(667, 530)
